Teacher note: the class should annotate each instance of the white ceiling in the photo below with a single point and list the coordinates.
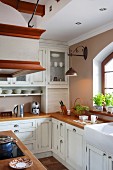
(62, 27)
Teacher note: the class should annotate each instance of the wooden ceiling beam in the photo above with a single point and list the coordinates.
(26, 7)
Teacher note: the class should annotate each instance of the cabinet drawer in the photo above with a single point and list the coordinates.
(24, 124)
(27, 135)
(5, 126)
(75, 129)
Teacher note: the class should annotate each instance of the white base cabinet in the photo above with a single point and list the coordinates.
(74, 147)
(98, 159)
(44, 134)
(58, 138)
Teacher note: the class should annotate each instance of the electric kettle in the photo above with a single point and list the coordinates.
(19, 110)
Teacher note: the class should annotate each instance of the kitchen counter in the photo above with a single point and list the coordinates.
(58, 115)
(4, 164)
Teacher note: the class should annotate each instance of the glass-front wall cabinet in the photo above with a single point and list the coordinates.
(58, 67)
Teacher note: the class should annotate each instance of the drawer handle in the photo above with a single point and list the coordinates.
(61, 124)
(61, 141)
(16, 131)
(16, 125)
(74, 130)
(104, 154)
(109, 157)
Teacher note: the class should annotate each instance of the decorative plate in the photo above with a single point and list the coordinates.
(21, 163)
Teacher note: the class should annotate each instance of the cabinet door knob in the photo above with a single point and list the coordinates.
(61, 141)
(16, 125)
(16, 131)
(74, 130)
(61, 124)
(104, 154)
(109, 157)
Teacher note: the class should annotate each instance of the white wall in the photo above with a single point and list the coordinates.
(15, 48)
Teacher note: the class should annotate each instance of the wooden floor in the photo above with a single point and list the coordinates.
(51, 163)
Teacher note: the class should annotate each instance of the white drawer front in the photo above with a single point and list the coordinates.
(27, 135)
(24, 124)
(5, 126)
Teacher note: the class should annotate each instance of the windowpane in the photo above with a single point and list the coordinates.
(109, 66)
(108, 90)
(109, 80)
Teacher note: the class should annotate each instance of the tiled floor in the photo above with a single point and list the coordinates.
(52, 164)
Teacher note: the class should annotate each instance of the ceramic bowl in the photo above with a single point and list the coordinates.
(26, 91)
(17, 91)
(8, 91)
(0, 90)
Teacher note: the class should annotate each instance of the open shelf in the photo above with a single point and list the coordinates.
(15, 95)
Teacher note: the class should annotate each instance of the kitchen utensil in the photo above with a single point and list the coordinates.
(19, 110)
(21, 163)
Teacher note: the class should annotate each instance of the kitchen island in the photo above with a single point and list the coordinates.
(4, 164)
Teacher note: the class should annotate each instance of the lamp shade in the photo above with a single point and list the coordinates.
(71, 72)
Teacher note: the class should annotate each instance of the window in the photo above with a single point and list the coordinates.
(107, 74)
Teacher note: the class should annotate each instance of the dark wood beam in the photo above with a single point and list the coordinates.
(19, 31)
(25, 7)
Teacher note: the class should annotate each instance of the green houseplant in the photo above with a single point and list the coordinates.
(109, 101)
(79, 108)
(99, 101)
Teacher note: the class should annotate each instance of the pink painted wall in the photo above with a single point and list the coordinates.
(82, 85)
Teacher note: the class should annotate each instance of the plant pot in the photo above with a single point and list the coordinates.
(98, 108)
(109, 109)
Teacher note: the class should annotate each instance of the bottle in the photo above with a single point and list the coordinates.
(63, 108)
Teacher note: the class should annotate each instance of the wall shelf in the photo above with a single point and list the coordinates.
(15, 95)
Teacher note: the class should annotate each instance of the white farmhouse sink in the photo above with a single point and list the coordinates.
(100, 135)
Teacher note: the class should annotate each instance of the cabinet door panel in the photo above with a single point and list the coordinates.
(96, 159)
(39, 77)
(31, 145)
(57, 66)
(74, 148)
(110, 162)
(61, 126)
(44, 135)
(54, 136)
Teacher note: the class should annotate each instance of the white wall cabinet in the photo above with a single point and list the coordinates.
(58, 138)
(74, 147)
(57, 66)
(98, 159)
(39, 78)
(44, 134)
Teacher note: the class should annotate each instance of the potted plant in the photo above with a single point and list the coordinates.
(109, 101)
(99, 100)
(78, 108)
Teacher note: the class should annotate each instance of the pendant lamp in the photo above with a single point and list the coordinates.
(71, 71)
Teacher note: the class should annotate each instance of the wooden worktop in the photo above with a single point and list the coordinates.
(4, 164)
(58, 115)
